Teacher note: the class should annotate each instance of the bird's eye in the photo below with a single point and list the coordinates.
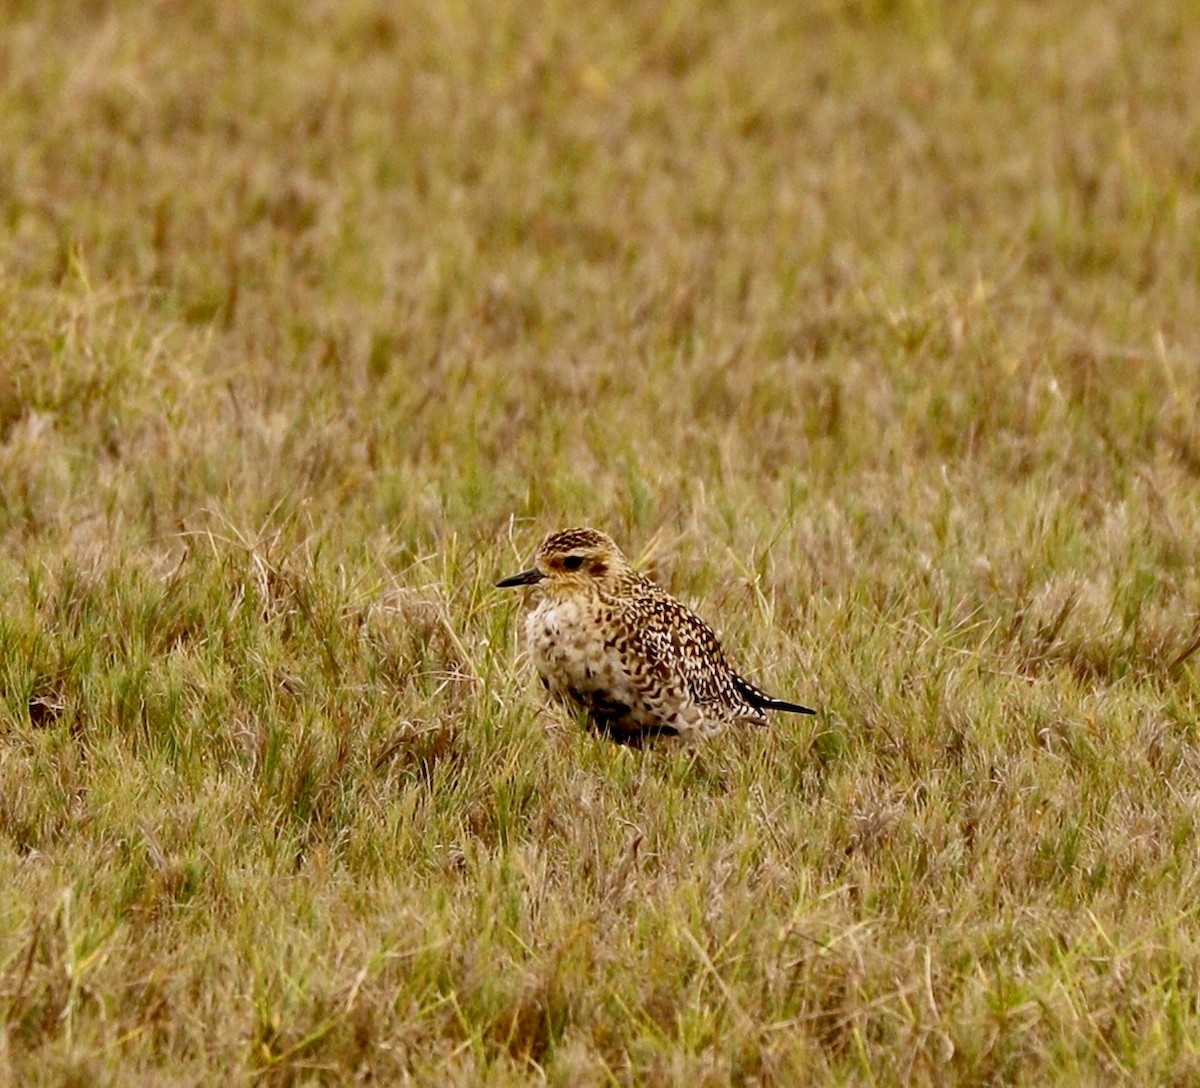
(573, 562)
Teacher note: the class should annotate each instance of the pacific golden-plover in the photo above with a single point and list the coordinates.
(608, 641)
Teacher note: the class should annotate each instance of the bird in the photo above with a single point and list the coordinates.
(608, 641)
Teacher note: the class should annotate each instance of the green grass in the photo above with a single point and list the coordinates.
(869, 328)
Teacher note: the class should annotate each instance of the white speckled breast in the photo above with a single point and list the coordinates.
(568, 649)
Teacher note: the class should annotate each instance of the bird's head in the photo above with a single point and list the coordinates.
(573, 559)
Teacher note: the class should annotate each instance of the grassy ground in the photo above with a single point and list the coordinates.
(871, 327)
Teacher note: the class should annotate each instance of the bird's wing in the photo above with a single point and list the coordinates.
(678, 647)
(678, 650)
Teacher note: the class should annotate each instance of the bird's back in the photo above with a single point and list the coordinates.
(675, 642)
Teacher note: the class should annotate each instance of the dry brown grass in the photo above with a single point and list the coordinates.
(873, 325)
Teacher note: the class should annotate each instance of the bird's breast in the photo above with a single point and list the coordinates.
(567, 642)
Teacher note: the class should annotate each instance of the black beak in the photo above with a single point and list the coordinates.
(525, 578)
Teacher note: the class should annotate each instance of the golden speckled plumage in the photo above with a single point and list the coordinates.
(607, 640)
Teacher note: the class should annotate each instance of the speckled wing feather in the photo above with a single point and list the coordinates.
(676, 644)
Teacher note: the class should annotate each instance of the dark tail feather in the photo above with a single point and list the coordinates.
(791, 708)
(760, 700)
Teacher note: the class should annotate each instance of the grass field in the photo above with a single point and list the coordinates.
(870, 328)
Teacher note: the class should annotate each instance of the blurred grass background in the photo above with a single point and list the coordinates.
(869, 326)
